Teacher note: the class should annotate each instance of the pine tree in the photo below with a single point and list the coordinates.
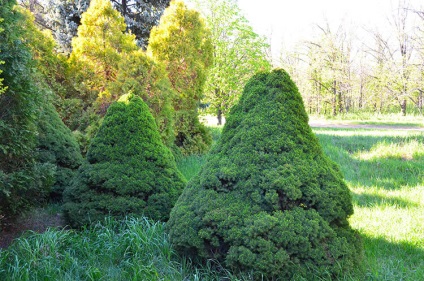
(181, 42)
(64, 16)
(268, 200)
(128, 170)
(97, 51)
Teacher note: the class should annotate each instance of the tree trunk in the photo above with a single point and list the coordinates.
(403, 107)
(361, 94)
(219, 115)
(334, 99)
(124, 8)
(340, 101)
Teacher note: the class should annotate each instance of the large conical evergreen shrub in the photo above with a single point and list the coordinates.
(267, 199)
(57, 145)
(129, 171)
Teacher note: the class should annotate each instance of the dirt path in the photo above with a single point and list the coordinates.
(38, 220)
(317, 124)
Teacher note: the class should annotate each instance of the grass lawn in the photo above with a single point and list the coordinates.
(384, 170)
(395, 120)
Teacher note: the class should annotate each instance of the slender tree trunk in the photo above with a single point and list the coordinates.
(219, 115)
(361, 94)
(340, 101)
(124, 8)
(334, 99)
(403, 107)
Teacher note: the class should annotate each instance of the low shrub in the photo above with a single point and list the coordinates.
(129, 171)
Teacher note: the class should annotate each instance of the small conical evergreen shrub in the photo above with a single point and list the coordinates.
(129, 171)
(268, 200)
(57, 145)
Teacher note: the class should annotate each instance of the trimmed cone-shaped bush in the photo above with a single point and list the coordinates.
(268, 200)
(57, 145)
(129, 171)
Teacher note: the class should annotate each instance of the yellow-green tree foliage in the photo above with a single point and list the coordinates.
(181, 42)
(143, 77)
(97, 50)
(53, 72)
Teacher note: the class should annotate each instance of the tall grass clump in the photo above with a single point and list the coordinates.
(131, 249)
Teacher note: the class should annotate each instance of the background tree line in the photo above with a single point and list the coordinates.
(339, 72)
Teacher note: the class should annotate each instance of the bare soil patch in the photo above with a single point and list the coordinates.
(38, 220)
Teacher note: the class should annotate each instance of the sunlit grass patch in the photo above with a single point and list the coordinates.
(396, 215)
(410, 150)
(374, 197)
(385, 171)
(366, 132)
(373, 119)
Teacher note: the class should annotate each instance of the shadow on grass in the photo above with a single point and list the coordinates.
(371, 200)
(360, 142)
(385, 260)
(388, 123)
(388, 173)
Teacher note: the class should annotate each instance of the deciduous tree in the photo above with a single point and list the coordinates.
(237, 53)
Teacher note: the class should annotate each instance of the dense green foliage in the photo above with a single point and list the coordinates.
(22, 181)
(53, 72)
(57, 145)
(97, 51)
(128, 170)
(181, 42)
(267, 199)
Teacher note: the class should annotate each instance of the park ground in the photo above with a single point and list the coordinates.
(383, 164)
